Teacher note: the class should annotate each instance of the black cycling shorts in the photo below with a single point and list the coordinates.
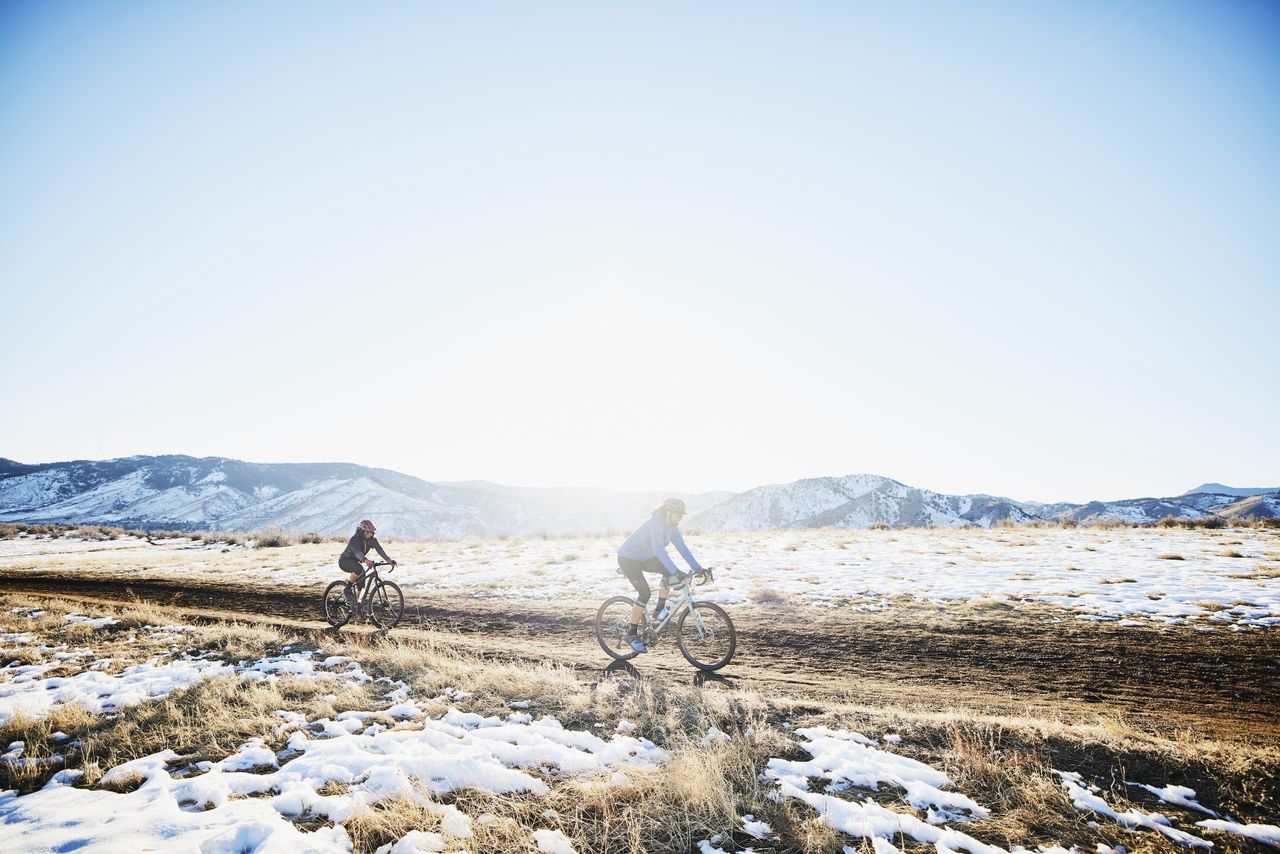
(634, 570)
(350, 564)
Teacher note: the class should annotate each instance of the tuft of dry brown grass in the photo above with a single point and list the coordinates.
(764, 595)
(274, 537)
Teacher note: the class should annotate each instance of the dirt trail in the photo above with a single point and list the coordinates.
(994, 659)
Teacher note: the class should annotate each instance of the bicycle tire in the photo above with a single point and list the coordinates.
(612, 620)
(721, 630)
(334, 605)
(386, 606)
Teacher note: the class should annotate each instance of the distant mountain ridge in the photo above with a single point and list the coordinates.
(189, 493)
(218, 493)
(855, 501)
(1219, 489)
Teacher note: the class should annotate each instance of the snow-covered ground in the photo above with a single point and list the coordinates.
(296, 798)
(250, 799)
(1143, 577)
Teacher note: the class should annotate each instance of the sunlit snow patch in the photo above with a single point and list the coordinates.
(849, 759)
(97, 691)
(1084, 798)
(553, 842)
(92, 622)
(1268, 833)
(448, 752)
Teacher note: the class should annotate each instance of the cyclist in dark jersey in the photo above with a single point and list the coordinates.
(646, 551)
(354, 560)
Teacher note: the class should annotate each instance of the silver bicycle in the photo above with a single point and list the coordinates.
(704, 632)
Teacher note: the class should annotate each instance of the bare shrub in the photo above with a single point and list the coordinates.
(1210, 522)
(763, 595)
(274, 537)
(1256, 523)
(1170, 556)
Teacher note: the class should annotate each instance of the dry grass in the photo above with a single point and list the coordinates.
(1261, 572)
(1204, 522)
(1170, 556)
(274, 537)
(212, 719)
(1004, 763)
(763, 595)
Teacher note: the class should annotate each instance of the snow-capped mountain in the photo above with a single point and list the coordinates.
(855, 501)
(1146, 511)
(215, 493)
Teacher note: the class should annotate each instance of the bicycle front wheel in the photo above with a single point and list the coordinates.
(386, 606)
(612, 622)
(707, 638)
(336, 609)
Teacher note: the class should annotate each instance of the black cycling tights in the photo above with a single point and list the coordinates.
(634, 570)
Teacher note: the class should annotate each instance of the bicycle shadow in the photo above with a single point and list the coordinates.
(702, 678)
(620, 668)
(375, 638)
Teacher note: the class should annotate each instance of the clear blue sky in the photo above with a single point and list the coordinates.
(1030, 249)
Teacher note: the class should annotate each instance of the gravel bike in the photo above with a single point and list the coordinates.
(382, 601)
(704, 632)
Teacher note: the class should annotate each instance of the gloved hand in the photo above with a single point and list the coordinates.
(368, 564)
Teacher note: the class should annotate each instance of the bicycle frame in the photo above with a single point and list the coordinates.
(685, 600)
(370, 581)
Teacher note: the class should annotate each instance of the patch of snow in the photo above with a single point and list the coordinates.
(1132, 820)
(755, 828)
(552, 842)
(415, 842)
(1177, 795)
(455, 750)
(1268, 833)
(92, 622)
(848, 759)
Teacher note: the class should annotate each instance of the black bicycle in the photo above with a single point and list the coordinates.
(381, 601)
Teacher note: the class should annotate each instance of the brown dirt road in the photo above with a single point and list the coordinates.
(993, 659)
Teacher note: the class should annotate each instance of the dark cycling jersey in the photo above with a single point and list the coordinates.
(358, 547)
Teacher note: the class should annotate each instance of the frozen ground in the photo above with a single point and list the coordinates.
(1215, 580)
(250, 800)
(297, 796)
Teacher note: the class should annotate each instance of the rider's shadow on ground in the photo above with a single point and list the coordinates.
(626, 668)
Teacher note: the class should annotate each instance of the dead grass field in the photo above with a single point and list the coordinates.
(992, 696)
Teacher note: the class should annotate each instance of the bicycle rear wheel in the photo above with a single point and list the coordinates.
(386, 606)
(336, 610)
(707, 639)
(612, 622)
